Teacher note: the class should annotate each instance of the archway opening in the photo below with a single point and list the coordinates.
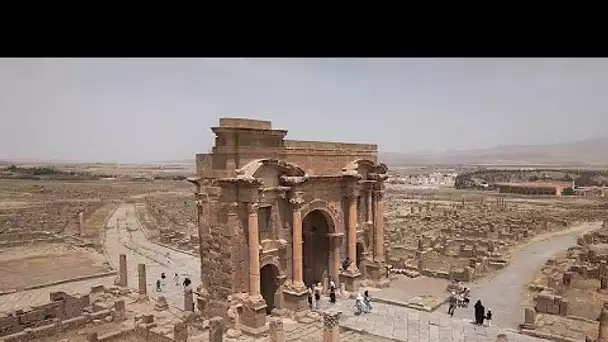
(360, 250)
(315, 258)
(269, 284)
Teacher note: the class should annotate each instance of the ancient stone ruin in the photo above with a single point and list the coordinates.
(277, 215)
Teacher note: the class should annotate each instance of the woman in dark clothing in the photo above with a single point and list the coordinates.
(332, 295)
(480, 312)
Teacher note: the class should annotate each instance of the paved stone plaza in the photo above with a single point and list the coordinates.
(403, 324)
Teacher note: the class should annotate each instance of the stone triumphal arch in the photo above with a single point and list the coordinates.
(276, 215)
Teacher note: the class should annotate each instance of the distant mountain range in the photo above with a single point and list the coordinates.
(591, 152)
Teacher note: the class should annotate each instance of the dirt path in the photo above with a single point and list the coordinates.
(124, 235)
(502, 293)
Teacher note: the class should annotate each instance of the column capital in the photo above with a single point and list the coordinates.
(252, 208)
(379, 194)
(297, 199)
(351, 194)
(331, 319)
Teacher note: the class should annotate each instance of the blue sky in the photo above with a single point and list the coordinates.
(140, 110)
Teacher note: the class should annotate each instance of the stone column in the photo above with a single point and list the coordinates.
(529, 319)
(331, 326)
(142, 279)
(188, 299)
(369, 207)
(254, 251)
(216, 329)
(352, 233)
(276, 330)
(296, 268)
(122, 260)
(603, 330)
(379, 228)
(80, 223)
(335, 240)
(120, 310)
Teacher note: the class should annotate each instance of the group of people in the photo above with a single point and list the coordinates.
(362, 303)
(459, 300)
(316, 292)
(162, 282)
(462, 300)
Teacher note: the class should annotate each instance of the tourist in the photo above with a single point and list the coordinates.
(346, 263)
(366, 300)
(163, 277)
(158, 289)
(332, 285)
(332, 295)
(168, 258)
(489, 317)
(453, 301)
(466, 300)
(317, 297)
(176, 279)
(187, 282)
(310, 298)
(359, 304)
(479, 313)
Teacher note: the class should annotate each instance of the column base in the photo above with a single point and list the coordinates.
(296, 299)
(376, 272)
(253, 318)
(351, 280)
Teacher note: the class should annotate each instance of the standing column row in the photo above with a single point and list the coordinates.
(297, 201)
(254, 250)
(379, 226)
(352, 232)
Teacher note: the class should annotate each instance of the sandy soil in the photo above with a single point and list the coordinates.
(28, 266)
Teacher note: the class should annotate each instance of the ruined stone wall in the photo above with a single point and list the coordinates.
(62, 306)
(220, 252)
(326, 158)
(50, 217)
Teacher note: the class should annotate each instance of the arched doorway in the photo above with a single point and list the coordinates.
(316, 247)
(269, 284)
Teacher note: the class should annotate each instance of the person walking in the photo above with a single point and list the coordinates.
(359, 304)
(479, 312)
(332, 295)
(176, 279)
(489, 317)
(317, 297)
(163, 277)
(453, 302)
(158, 288)
(310, 298)
(366, 301)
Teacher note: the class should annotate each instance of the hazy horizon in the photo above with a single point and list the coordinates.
(148, 110)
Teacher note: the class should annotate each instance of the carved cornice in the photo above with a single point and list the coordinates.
(350, 173)
(381, 177)
(297, 199)
(293, 180)
(242, 179)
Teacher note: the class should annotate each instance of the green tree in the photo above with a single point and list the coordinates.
(568, 191)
